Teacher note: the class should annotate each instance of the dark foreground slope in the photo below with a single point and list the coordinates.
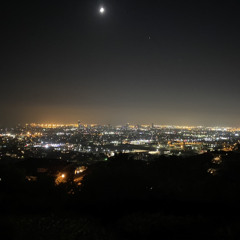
(169, 197)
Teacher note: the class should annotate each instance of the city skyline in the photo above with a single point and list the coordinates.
(173, 63)
(134, 126)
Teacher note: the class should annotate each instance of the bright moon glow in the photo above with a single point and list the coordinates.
(102, 10)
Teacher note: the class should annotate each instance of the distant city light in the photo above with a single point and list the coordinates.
(104, 141)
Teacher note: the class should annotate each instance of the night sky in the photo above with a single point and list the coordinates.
(166, 62)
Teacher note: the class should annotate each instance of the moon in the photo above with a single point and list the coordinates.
(102, 10)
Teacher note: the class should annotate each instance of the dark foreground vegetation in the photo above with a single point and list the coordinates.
(167, 198)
